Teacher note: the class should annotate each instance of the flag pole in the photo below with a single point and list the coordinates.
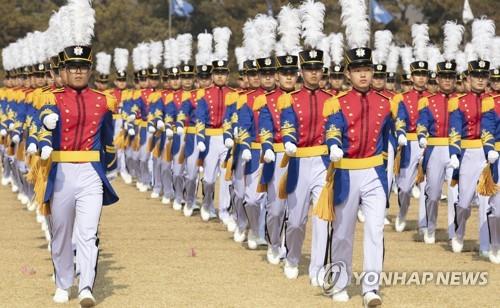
(169, 18)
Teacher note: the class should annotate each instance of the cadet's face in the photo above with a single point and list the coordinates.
(175, 83)
(459, 87)
(27, 82)
(287, 80)
(101, 86)
(187, 83)
(406, 87)
(478, 82)
(267, 80)
(419, 80)
(390, 86)
(336, 83)
(312, 77)
(204, 82)
(143, 83)
(432, 87)
(120, 84)
(154, 82)
(253, 80)
(378, 83)
(40, 81)
(361, 77)
(446, 82)
(495, 85)
(219, 78)
(78, 75)
(323, 82)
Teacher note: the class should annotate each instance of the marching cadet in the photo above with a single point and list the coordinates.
(491, 143)
(155, 131)
(383, 40)
(466, 134)
(357, 130)
(214, 130)
(302, 129)
(246, 174)
(270, 129)
(77, 186)
(121, 94)
(495, 81)
(407, 125)
(337, 76)
(432, 133)
(173, 110)
(103, 66)
(190, 152)
(241, 57)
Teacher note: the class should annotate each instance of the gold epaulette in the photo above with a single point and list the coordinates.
(154, 97)
(423, 102)
(487, 104)
(185, 95)
(260, 101)
(285, 101)
(242, 99)
(331, 106)
(231, 98)
(136, 94)
(199, 94)
(111, 102)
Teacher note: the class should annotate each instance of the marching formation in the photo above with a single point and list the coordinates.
(316, 123)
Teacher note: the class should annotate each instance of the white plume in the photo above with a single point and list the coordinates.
(312, 15)
(6, 60)
(265, 26)
(171, 53)
(420, 35)
(355, 20)
(140, 57)
(336, 47)
(65, 27)
(406, 58)
(17, 53)
(495, 52)
(39, 47)
(289, 29)
(250, 40)
(434, 56)
(461, 61)
(393, 59)
(83, 20)
(103, 65)
(324, 46)
(240, 54)
(204, 53)
(155, 53)
(184, 47)
(383, 40)
(121, 59)
(483, 32)
(221, 38)
(453, 33)
(54, 45)
(26, 50)
(470, 53)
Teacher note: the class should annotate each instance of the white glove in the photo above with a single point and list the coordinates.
(32, 149)
(169, 133)
(454, 162)
(16, 139)
(402, 141)
(3, 132)
(111, 175)
(131, 132)
(160, 124)
(235, 131)
(151, 129)
(422, 143)
(131, 118)
(229, 143)
(46, 151)
(246, 155)
(50, 121)
(269, 156)
(290, 149)
(180, 130)
(200, 169)
(336, 153)
(201, 147)
(11, 126)
(492, 156)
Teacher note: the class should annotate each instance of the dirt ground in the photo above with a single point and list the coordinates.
(152, 256)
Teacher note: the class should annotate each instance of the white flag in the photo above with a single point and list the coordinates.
(467, 13)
